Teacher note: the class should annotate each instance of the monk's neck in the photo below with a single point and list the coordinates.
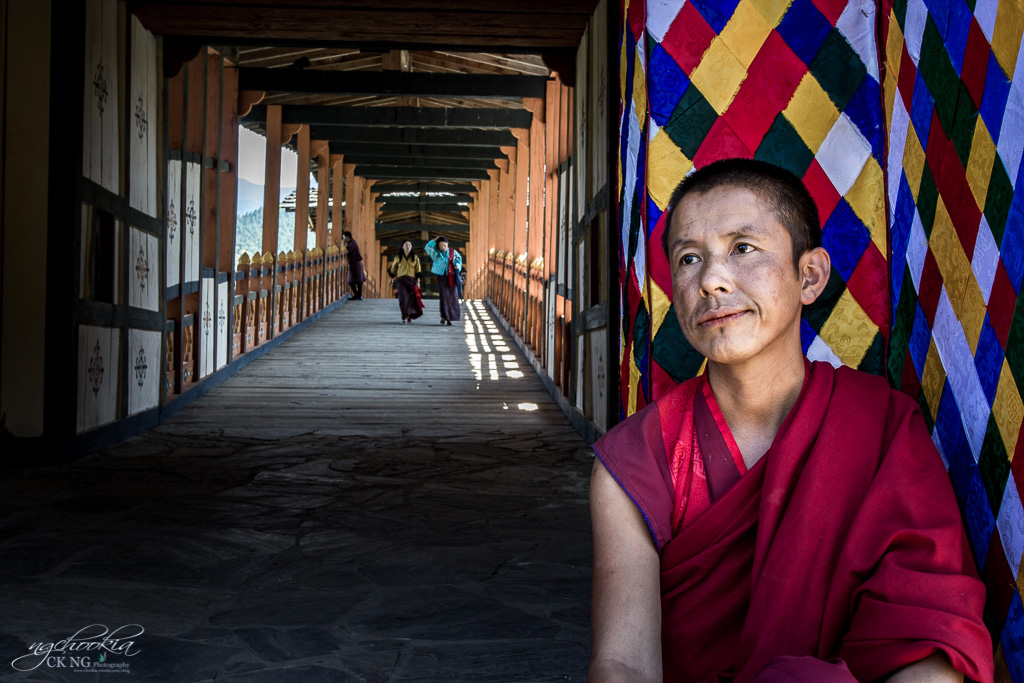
(755, 401)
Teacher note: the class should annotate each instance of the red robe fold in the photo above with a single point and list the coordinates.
(844, 541)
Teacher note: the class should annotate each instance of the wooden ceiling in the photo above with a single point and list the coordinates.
(499, 25)
(412, 91)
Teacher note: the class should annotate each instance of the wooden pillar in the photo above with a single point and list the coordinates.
(323, 191)
(338, 195)
(302, 191)
(272, 179)
(228, 167)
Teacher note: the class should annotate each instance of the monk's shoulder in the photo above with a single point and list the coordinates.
(871, 393)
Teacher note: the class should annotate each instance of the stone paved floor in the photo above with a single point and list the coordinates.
(368, 502)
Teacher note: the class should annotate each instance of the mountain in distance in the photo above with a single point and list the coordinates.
(250, 196)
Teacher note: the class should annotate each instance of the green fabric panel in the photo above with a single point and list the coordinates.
(690, 122)
(672, 352)
(783, 147)
(838, 69)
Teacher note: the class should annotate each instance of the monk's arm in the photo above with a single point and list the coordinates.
(626, 603)
(932, 669)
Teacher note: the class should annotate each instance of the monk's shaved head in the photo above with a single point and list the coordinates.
(780, 190)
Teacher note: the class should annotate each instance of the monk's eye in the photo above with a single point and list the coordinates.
(744, 248)
(688, 259)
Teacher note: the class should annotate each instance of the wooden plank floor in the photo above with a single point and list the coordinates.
(368, 502)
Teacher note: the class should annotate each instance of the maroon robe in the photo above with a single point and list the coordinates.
(843, 541)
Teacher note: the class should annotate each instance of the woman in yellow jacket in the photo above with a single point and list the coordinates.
(406, 271)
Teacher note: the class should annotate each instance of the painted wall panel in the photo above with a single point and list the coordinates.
(143, 119)
(190, 221)
(99, 352)
(207, 327)
(223, 338)
(144, 270)
(173, 234)
(144, 365)
(100, 151)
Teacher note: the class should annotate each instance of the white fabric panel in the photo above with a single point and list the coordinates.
(958, 361)
(173, 222)
(223, 333)
(857, 24)
(144, 370)
(99, 355)
(660, 15)
(190, 221)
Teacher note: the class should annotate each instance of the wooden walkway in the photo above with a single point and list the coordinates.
(368, 502)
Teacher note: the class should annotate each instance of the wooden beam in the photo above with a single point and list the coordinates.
(401, 149)
(413, 136)
(422, 199)
(414, 117)
(452, 207)
(415, 162)
(398, 186)
(392, 83)
(496, 26)
(423, 227)
(414, 173)
(398, 242)
(302, 191)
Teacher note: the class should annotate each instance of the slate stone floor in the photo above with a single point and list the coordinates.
(367, 502)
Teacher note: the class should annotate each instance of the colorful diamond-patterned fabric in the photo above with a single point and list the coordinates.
(954, 103)
(794, 83)
(905, 119)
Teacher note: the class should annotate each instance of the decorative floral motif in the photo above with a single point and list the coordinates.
(207, 321)
(99, 87)
(96, 370)
(191, 217)
(141, 367)
(222, 318)
(142, 268)
(172, 221)
(141, 122)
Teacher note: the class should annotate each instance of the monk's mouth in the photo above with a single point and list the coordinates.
(719, 318)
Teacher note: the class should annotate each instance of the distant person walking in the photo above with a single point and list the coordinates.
(356, 276)
(448, 269)
(406, 271)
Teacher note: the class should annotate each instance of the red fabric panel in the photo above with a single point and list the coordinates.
(721, 142)
(930, 289)
(870, 287)
(688, 38)
(771, 81)
(951, 180)
(1001, 303)
(822, 190)
(975, 63)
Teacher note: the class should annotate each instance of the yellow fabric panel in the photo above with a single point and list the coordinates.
(666, 166)
(634, 384)
(849, 331)
(866, 200)
(913, 161)
(811, 112)
(719, 75)
(771, 10)
(971, 312)
(1007, 34)
(893, 50)
(979, 165)
(640, 89)
(934, 377)
(950, 257)
(660, 303)
(1008, 410)
(890, 91)
(746, 32)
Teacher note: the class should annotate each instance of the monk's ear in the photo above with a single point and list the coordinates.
(815, 269)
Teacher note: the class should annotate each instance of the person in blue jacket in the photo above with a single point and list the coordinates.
(448, 269)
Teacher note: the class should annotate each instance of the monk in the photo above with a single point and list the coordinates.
(773, 519)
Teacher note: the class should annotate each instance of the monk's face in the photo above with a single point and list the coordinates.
(736, 291)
